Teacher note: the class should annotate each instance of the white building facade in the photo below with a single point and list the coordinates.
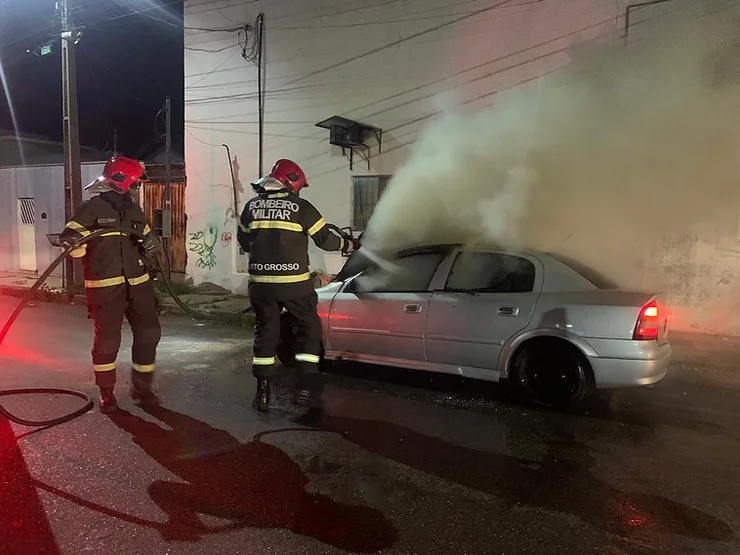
(382, 63)
(379, 63)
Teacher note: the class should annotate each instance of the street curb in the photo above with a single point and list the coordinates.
(41, 295)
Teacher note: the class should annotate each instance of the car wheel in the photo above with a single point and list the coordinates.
(551, 373)
(286, 347)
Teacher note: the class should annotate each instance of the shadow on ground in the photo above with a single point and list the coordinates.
(561, 481)
(252, 485)
(634, 407)
(24, 527)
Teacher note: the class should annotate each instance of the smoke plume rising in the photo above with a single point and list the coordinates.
(624, 146)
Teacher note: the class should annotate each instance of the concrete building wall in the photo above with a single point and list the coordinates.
(382, 64)
(385, 64)
(44, 184)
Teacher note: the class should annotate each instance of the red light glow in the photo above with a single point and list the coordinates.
(647, 323)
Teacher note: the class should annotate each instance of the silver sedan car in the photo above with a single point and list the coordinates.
(552, 327)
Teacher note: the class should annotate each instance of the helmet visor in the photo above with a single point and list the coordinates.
(97, 185)
(267, 183)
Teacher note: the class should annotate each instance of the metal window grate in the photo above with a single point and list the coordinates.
(367, 191)
(28, 211)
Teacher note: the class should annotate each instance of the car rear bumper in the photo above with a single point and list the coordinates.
(649, 368)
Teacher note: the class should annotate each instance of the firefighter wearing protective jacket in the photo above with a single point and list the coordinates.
(274, 230)
(117, 283)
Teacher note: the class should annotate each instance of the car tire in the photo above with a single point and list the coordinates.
(551, 373)
(286, 347)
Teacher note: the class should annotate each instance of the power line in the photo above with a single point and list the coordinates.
(400, 20)
(131, 13)
(402, 40)
(206, 75)
(275, 92)
(199, 140)
(210, 51)
(219, 8)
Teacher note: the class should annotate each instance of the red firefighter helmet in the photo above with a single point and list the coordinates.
(287, 173)
(120, 174)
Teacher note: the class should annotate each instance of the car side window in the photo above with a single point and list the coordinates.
(486, 272)
(413, 276)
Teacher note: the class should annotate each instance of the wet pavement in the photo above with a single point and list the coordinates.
(401, 463)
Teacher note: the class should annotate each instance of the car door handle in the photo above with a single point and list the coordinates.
(508, 311)
(412, 308)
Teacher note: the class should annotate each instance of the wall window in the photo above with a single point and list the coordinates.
(491, 273)
(366, 191)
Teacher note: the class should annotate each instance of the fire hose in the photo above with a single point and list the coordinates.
(162, 263)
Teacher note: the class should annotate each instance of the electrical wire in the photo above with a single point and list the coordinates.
(219, 7)
(210, 51)
(211, 72)
(400, 20)
(143, 13)
(201, 141)
(130, 13)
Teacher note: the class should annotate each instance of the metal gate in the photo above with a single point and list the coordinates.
(152, 203)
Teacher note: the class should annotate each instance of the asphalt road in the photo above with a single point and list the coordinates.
(401, 463)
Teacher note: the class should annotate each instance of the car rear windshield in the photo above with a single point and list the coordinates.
(598, 280)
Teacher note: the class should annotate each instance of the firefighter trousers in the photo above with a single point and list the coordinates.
(107, 307)
(300, 300)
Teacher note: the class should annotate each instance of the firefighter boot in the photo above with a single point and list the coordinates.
(141, 388)
(307, 398)
(108, 402)
(262, 397)
(310, 387)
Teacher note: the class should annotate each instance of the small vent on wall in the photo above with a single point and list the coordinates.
(28, 211)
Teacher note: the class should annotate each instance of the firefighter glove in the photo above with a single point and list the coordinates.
(66, 242)
(151, 245)
(349, 245)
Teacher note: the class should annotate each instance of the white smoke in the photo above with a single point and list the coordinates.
(625, 144)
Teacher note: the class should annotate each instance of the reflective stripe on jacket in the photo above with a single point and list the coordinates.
(274, 229)
(114, 258)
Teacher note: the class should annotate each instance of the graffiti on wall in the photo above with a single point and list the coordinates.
(202, 244)
(225, 239)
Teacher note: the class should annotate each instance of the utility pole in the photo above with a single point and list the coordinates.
(72, 170)
(167, 201)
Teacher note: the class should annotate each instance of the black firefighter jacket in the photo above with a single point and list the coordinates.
(274, 231)
(113, 258)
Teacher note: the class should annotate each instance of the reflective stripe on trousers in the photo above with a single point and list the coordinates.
(306, 357)
(263, 361)
(104, 367)
(144, 368)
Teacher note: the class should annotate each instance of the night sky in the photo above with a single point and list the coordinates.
(129, 59)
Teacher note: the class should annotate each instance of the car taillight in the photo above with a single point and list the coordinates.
(647, 323)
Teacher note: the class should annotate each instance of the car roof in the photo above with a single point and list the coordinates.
(477, 246)
(560, 271)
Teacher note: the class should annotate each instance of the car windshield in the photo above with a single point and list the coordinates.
(596, 278)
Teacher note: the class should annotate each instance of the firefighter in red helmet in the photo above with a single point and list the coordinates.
(117, 283)
(274, 230)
